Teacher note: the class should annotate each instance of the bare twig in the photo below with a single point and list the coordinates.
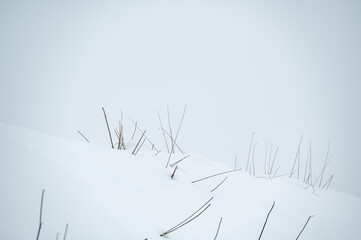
(214, 175)
(219, 184)
(189, 219)
(135, 129)
(264, 225)
(139, 147)
(170, 130)
(172, 141)
(41, 214)
(161, 125)
(83, 136)
(219, 225)
(254, 170)
(297, 153)
(66, 231)
(180, 125)
(249, 151)
(138, 142)
(327, 183)
(304, 226)
(175, 163)
(274, 158)
(106, 121)
(176, 167)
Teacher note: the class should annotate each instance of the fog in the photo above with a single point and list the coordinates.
(281, 69)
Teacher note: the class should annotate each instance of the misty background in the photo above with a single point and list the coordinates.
(281, 69)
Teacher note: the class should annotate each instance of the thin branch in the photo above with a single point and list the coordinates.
(170, 129)
(235, 163)
(161, 125)
(106, 121)
(66, 230)
(219, 225)
(175, 163)
(135, 128)
(172, 141)
(304, 226)
(264, 225)
(190, 215)
(138, 142)
(249, 151)
(139, 147)
(83, 136)
(219, 184)
(184, 222)
(328, 182)
(254, 170)
(176, 167)
(180, 124)
(41, 214)
(274, 158)
(214, 175)
(297, 153)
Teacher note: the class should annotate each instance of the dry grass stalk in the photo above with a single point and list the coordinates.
(66, 231)
(161, 126)
(264, 225)
(269, 159)
(110, 135)
(214, 175)
(172, 141)
(219, 225)
(137, 127)
(249, 151)
(188, 219)
(176, 167)
(180, 125)
(138, 142)
(304, 226)
(274, 159)
(170, 154)
(41, 214)
(297, 153)
(175, 163)
(139, 147)
(254, 169)
(170, 129)
(276, 172)
(83, 136)
(328, 182)
(219, 184)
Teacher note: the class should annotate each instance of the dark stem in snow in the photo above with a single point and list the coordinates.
(184, 222)
(175, 163)
(264, 225)
(106, 121)
(83, 136)
(66, 230)
(138, 142)
(219, 184)
(304, 226)
(219, 225)
(215, 175)
(174, 171)
(41, 214)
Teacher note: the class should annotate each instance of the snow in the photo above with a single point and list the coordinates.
(104, 193)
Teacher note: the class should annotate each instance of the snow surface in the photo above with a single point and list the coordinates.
(110, 194)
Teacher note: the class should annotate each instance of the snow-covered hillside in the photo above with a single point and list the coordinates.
(109, 194)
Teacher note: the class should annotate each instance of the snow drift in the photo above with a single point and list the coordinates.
(108, 194)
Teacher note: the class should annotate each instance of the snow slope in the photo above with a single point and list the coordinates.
(110, 194)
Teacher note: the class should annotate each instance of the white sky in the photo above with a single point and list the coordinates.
(283, 69)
